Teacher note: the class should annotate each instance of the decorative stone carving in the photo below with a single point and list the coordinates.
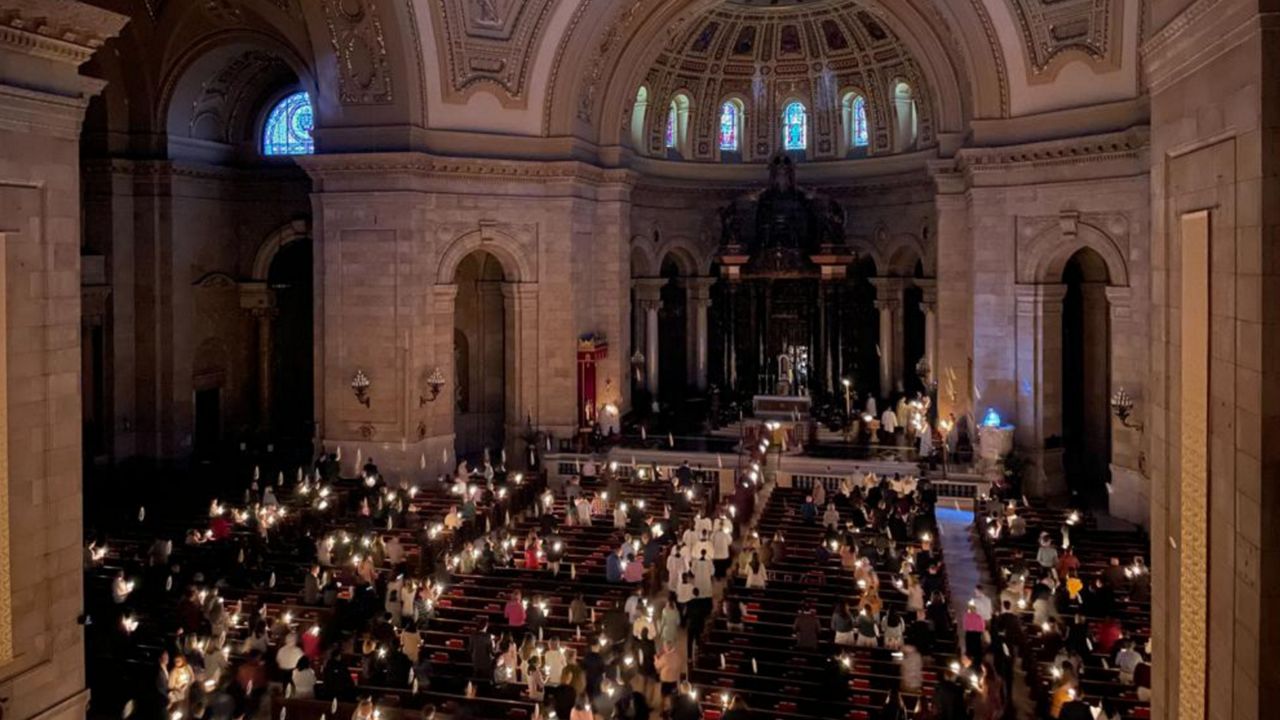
(223, 11)
(218, 111)
(1053, 27)
(766, 58)
(364, 71)
(492, 42)
(65, 32)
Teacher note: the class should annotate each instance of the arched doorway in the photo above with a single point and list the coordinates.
(480, 356)
(1086, 344)
(292, 348)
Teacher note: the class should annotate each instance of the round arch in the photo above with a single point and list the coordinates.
(687, 259)
(217, 49)
(1048, 253)
(515, 266)
(588, 98)
(643, 262)
(281, 236)
(901, 256)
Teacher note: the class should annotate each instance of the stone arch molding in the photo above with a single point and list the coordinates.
(684, 254)
(1046, 255)
(283, 235)
(643, 261)
(517, 265)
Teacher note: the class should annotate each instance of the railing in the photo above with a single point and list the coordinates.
(790, 471)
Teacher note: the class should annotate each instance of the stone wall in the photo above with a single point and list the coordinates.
(391, 231)
(42, 102)
(179, 243)
(1214, 110)
(1009, 221)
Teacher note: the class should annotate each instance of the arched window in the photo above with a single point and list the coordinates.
(288, 128)
(860, 135)
(795, 128)
(857, 132)
(677, 137)
(730, 125)
(637, 119)
(673, 122)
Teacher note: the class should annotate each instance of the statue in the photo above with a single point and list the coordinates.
(781, 215)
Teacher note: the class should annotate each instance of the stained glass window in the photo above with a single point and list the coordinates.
(795, 135)
(860, 136)
(729, 124)
(673, 118)
(288, 129)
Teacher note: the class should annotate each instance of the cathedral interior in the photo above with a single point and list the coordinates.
(454, 235)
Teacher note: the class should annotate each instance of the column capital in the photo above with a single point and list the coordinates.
(698, 289)
(257, 297)
(928, 292)
(1120, 302)
(519, 291)
(1040, 293)
(647, 304)
(889, 288)
(648, 288)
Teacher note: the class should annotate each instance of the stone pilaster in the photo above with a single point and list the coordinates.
(42, 103)
(889, 303)
(954, 364)
(698, 292)
(648, 292)
(1039, 364)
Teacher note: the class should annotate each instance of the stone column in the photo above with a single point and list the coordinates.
(889, 303)
(1039, 363)
(259, 301)
(929, 306)
(649, 301)
(698, 292)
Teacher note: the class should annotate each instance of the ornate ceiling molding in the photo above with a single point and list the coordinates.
(490, 44)
(766, 56)
(1125, 145)
(220, 111)
(425, 165)
(364, 70)
(1055, 30)
(61, 31)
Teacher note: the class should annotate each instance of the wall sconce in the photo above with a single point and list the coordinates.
(435, 382)
(360, 386)
(1122, 408)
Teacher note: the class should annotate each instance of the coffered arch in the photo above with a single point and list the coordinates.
(608, 51)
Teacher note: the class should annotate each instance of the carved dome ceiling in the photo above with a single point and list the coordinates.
(767, 55)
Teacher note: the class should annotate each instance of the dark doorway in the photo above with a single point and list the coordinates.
(292, 361)
(1086, 436)
(208, 435)
(480, 356)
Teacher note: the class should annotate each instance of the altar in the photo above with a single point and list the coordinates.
(781, 407)
(793, 317)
